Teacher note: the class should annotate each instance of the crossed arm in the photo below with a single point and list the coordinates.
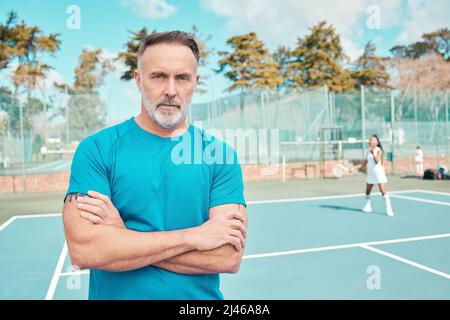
(97, 238)
(225, 259)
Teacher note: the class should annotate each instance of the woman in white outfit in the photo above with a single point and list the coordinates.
(376, 174)
(418, 161)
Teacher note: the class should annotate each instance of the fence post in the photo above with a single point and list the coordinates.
(67, 100)
(263, 110)
(22, 140)
(328, 104)
(393, 131)
(416, 117)
(438, 142)
(363, 122)
(446, 129)
(332, 108)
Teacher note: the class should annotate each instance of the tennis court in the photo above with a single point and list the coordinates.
(303, 248)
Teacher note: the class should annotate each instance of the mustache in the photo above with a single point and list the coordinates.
(169, 103)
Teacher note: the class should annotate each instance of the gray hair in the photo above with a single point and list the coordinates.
(171, 37)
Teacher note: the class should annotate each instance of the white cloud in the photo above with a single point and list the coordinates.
(119, 66)
(281, 22)
(424, 16)
(391, 12)
(351, 49)
(150, 9)
(53, 77)
(132, 94)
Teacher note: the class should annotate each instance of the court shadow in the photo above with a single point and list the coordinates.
(358, 210)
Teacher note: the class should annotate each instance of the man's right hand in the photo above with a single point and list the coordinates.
(220, 230)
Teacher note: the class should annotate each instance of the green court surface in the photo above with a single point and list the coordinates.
(302, 248)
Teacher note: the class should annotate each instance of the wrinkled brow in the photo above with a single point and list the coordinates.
(162, 73)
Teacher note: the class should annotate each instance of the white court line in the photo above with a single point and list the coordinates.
(318, 249)
(407, 261)
(52, 288)
(345, 246)
(29, 216)
(325, 197)
(434, 192)
(422, 200)
(305, 199)
(43, 215)
(74, 273)
(8, 222)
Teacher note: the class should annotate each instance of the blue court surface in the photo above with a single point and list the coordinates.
(307, 248)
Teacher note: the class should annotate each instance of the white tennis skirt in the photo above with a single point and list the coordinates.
(376, 175)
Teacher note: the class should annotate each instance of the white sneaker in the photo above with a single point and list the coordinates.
(367, 208)
(389, 211)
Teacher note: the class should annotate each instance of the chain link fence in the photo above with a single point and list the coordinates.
(402, 120)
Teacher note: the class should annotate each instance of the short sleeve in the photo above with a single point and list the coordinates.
(227, 185)
(88, 170)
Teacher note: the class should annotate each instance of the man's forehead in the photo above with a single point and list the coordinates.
(171, 68)
(168, 58)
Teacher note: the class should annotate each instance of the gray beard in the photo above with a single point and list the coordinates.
(164, 120)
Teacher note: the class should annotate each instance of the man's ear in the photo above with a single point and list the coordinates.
(138, 79)
(197, 80)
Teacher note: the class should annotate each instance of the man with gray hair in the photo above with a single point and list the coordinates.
(146, 225)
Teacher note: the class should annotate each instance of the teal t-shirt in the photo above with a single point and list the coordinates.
(157, 184)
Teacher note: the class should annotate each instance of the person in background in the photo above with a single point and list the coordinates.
(418, 161)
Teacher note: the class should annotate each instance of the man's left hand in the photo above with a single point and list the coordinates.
(99, 209)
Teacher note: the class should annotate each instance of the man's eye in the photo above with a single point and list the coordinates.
(183, 78)
(158, 77)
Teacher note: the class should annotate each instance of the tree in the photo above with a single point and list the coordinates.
(129, 55)
(7, 41)
(316, 61)
(283, 56)
(429, 73)
(10, 105)
(427, 78)
(205, 53)
(249, 66)
(91, 69)
(27, 45)
(87, 112)
(434, 42)
(370, 70)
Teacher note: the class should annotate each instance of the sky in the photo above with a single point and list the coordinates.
(104, 24)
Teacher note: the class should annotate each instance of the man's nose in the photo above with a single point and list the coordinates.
(170, 89)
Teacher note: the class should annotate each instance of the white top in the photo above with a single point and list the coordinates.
(375, 171)
(419, 156)
(371, 158)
